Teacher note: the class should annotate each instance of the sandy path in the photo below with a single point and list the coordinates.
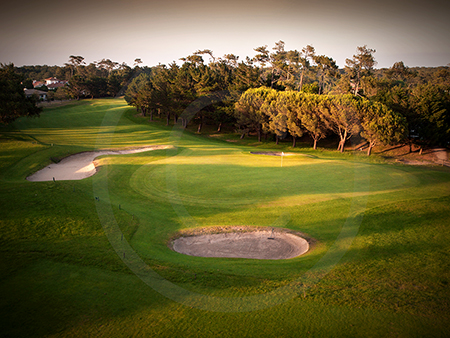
(254, 245)
(441, 154)
(79, 166)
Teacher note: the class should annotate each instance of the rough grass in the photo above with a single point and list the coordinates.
(60, 276)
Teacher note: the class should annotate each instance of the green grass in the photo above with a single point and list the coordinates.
(379, 265)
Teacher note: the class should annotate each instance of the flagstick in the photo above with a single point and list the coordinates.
(282, 154)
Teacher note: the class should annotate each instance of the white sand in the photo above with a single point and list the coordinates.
(79, 166)
(253, 245)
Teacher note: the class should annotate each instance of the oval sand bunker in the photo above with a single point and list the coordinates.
(254, 245)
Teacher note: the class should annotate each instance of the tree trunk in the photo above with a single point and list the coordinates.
(342, 145)
(420, 151)
(294, 141)
(220, 127)
(357, 85)
(175, 119)
(259, 133)
(242, 136)
(151, 114)
(321, 84)
(342, 142)
(276, 138)
(271, 79)
(301, 82)
(168, 119)
(369, 150)
(199, 129)
(315, 144)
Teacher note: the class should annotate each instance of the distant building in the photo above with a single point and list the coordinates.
(37, 84)
(54, 86)
(52, 83)
(39, 93)
(51, 80)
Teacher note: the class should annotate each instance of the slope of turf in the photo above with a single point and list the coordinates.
(61, 276)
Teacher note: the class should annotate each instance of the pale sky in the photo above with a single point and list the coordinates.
(162, 31)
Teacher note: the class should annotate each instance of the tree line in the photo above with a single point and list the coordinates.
(98, 79)
(293, 113)
(309, 82)
(292, 93)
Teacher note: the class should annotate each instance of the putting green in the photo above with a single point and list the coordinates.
(233, 179)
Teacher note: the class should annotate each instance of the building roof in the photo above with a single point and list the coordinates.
(56, 85)
(38, 84)
(34, 91)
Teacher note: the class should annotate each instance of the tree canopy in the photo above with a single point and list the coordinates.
(286, 93)
(291, 93)
(13, 101)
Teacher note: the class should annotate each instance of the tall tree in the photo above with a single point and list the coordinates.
(306, 57)
(245, 76)
(107, 64)
(294, 64)
(263, 58)
(294, 100)
(231, 60)
(206, 51)
(360, 65)
(77, 87)
(278, 60)
(275, 108)
(134, 87)
(326, 66)
(381, 125)
(312, 114)
(74, 62)
(343, 113)
(248, 112)
(168, 96)
(13, 102)
(400, 72)
(431, 105)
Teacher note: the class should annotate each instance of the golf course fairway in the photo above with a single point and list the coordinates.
(92, 257)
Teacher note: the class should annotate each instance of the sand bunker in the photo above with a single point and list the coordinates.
(79, 166)
(255, 245)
